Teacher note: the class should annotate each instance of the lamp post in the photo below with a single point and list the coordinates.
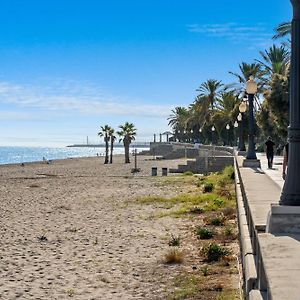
(212, 134)
(235, 125)
(227, 129)
(242, 109)
(291, 189)
(251, 89)
(200, 131)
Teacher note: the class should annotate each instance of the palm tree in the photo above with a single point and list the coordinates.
(282, 30)
(275, 60)
(127, 135)
(247, 70)
(105, 133)
(178, 120)
(112, 140)
(226, 112)
(211, 89)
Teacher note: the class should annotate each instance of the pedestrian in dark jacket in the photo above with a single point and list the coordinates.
(269, 148)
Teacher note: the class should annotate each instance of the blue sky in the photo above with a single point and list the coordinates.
(69, 66)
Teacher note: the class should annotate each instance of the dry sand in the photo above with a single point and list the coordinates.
(69, 230)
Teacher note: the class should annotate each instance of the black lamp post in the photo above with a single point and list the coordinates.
(212, 134)
(235, 125)
(227, 129)
(251, 88)
(242, 109)
(291, 189)
(200, 131)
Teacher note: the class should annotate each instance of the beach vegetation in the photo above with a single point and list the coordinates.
(187, 173)
(205, 271)
(186, 286)
(216, 221)
(174, 241)
(203, 233)
(127, 134)
(214, 252)
(42, 238)
(173, 256)
(70, 292)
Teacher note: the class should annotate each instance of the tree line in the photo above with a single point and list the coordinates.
(217, 103)
(126, 135)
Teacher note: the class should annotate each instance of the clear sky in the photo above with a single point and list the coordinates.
(69, 66)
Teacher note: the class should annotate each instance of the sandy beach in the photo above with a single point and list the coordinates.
(73, 229)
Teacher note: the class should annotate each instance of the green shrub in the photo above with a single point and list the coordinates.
(208, 187)
(197, 210)
(188, 173)
(216, 221)
(174, 241)
(214, 252)
(203, 233)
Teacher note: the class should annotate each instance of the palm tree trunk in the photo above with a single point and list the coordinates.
(126, 146)
(111, 151)
(106, 151)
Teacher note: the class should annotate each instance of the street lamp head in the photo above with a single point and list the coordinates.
(184, 131)
(192, 131)
(242, 107)
(227, 127)
(200, 130)
(239, 117)
(235, 124)
(251, 86)
(213, 128)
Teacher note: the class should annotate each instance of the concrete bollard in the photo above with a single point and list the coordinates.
(164, 171)
(154, 171)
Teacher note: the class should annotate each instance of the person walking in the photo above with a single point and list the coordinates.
(269, 149)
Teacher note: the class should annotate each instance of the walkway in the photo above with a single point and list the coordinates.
(272, 265)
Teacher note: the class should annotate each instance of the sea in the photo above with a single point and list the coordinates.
(16, 155)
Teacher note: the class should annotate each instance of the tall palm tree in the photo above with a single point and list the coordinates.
(282, 30)
(178, 120)
(247, 70)
(211, 89)
(275, 60)
(226, 113)
(112, 140)
(105, 134)
(127, 135)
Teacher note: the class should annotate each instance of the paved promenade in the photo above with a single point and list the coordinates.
(271, 261)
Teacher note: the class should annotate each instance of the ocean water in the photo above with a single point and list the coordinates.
(13, 155)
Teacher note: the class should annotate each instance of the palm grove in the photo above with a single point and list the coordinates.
(217, 104)
(126, 134)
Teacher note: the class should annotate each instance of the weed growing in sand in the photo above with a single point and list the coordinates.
(188, 173)
(72, 229)
(174, 241)
(228, 295)
(196, 210)
(186, 286)
(204, 271)
(216, 221)
(173, 256)
(70, 292)
(214, 252)
(96, 241)
(42, 238)
(203, 233)
(208, 187)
